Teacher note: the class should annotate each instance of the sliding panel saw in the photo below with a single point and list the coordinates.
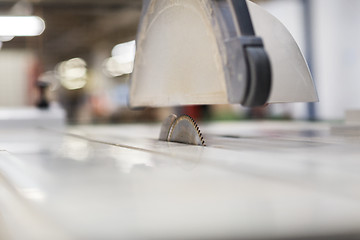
(215, 52)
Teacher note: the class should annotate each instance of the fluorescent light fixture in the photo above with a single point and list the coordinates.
(21, 26)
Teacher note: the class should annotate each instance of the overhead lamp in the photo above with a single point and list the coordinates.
(72, 73)
(21, 25)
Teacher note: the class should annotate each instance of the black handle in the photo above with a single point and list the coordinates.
(258, 65)
(242, 17)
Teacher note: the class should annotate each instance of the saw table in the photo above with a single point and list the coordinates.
(259, 180)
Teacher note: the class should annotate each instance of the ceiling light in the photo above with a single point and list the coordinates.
(72, 73)
(21, 26)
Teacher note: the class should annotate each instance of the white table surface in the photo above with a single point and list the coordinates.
(258, 180)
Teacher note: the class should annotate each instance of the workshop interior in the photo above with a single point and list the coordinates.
(179, 119)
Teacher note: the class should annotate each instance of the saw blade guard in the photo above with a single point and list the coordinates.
(192, 52)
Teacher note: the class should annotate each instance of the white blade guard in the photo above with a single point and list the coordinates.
(191, 52)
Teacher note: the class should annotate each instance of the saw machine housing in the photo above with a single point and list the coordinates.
(215, 52)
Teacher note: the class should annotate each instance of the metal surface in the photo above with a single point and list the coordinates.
(257, 180)
(166, 126)
(188, 53)
(292, 79)
(185, 130)
(178, 60)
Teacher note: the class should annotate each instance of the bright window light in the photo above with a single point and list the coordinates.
(21, 26)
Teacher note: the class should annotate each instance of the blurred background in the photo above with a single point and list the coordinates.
(82, 61)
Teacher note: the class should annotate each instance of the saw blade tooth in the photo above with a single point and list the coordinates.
(202, 139)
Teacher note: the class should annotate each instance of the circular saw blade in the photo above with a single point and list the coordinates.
(185, 130)
(166, 126)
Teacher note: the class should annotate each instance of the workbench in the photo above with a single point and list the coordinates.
(253, 180)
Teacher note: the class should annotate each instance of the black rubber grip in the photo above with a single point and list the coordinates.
(259, 77)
